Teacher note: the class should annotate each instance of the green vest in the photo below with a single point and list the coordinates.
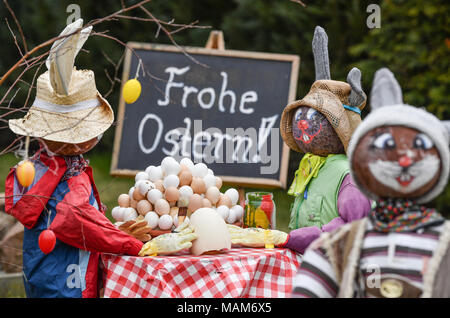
(320, 205)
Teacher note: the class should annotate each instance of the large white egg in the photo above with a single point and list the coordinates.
(238, 211)
(223, 211)
(210, 180)
(233, 194)
(152, 219)
(170, 166)
(130, 214)
(165, 222)
(188, 163)
(141, 175)
(210, 171)
(154, 195)
(171, 181)
(117, 213)
(130, 193)
(186, 191)
(154, 173)
(200, 170)
(231, 217)
(143, 186)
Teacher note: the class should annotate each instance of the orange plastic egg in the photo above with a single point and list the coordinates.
(25, 173)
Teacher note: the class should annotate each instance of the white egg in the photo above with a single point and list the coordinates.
(231, 217)
(200, 170)
(186, 191)
(152, 219)
(143, 186)
(223, 211)
(129, 214)
(210, 171)
(130, 193)
(154, 173)
(141, 175)
(233, 194)
(238, 211)
(171, 181)
(117, 213)
(154, 195)
(165, 222)
(175, 220)
(210, 180)
(188, 163)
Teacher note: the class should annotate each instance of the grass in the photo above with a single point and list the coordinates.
(110, 187)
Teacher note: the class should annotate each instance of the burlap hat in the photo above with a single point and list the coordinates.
(68, 107)
(340, 102)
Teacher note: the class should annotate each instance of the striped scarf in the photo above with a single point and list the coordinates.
(399, 215)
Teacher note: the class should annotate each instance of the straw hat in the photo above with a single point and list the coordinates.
(340, 102)
(68, 108)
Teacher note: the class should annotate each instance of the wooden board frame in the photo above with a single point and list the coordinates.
(230, 180)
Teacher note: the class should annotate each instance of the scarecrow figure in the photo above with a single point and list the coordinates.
(320, 125)
(399, 157)
(68, 117)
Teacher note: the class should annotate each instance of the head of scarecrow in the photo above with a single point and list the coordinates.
(399, 151)
(69, 115)
(323, 121)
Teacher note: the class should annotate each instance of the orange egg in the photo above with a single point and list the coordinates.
(185, 177)
(198, 185)
(133, 203)
(195, 203)
(218, 183)
(224, 200)
(124, 200)
(172, 194)
(137, 195)
(206, 203)
(213, 194)
(159, 185)
(25, 173)
(143, 207)
(162, 207)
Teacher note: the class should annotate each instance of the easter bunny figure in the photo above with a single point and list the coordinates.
(320, 125)
(400, 157)
(68, 117)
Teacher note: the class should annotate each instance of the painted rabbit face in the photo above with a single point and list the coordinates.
(313, 133)
(397, 162)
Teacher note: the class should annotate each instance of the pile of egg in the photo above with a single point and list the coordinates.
(160, 191)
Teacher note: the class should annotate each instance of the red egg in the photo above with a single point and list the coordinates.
(47, 241)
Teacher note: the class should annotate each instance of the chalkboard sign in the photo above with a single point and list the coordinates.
(220, 107)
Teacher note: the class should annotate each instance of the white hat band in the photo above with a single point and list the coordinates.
(57, 108)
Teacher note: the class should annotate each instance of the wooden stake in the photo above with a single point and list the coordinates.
(215, 40)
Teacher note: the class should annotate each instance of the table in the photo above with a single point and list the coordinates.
(240, 272)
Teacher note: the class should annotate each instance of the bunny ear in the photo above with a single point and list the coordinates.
(357, 96)
(446, 124)
(385, 90)
(320, 51)
(62, 55)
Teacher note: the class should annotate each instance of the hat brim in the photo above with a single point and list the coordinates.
(74, 127)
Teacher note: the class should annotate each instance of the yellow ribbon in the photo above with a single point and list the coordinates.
(268, 239)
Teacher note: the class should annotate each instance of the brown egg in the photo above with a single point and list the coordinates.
(218, 183)
(133, 203)
(213, 194)
(185, 177)
(206, 203)
(224, 200)
(124, 200)
(172, 194)
(198, 185)
(184, 168)
(162, 207)
(143, 207)
(195, 203)
(159, 185)
(137, 195)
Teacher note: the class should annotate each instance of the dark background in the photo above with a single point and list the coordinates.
(413, 41)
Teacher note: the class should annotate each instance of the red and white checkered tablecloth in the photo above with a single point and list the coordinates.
(240, 272)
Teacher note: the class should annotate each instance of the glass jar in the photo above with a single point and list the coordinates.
(260, 210)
